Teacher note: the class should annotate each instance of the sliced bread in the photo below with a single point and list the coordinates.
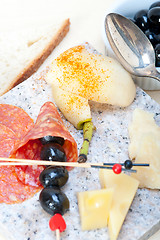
(23, 51)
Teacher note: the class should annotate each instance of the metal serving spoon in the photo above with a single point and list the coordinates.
(131, 46)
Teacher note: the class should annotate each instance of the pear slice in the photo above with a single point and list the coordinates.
(77, 111)
(80, 74)
(92, 76)
(75, 108)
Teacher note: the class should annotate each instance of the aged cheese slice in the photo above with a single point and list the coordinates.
(149, 152)
(94, 208)
(75, 108)
(145, 147)
(125, 188)
(142, 124)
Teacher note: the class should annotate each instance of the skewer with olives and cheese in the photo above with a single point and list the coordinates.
(51, 198)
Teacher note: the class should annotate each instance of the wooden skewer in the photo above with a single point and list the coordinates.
(15, 161)
(72, 164)
(57, 234)
(43, 162)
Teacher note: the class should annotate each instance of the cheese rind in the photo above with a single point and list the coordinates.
(94, 208)
(125, 188)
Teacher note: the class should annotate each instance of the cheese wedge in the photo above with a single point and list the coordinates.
(125, 188)
(144, 147)
(94, 208)
(142, 124)
(149, 152)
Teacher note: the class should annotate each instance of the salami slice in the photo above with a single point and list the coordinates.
(7, 141)
(14, 124)
(6, 132)
(16, 119)
(29, 174)
(11, 189)
(6, 146)
(19, 137)
(50, 123)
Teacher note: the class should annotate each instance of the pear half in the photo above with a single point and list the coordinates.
(92, 76)
(80, 74)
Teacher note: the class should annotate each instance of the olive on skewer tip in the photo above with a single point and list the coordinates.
(51, 198)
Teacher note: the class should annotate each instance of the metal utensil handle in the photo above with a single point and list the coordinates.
(155, 75)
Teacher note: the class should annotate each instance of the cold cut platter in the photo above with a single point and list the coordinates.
(26, 220)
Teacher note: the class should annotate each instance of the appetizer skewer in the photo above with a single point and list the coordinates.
(12, 161)
(51, 198)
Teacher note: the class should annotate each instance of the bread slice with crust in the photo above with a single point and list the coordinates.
(23, 52)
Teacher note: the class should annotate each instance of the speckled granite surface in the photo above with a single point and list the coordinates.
(27, 221)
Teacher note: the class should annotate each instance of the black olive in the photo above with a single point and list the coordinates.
(152, 37)
(49, 138)
(156, 4)
(53, 152)
(54, 176)
(154, 16)
(54, 201)
(157, 55)
(142, 20)
(128, 164)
